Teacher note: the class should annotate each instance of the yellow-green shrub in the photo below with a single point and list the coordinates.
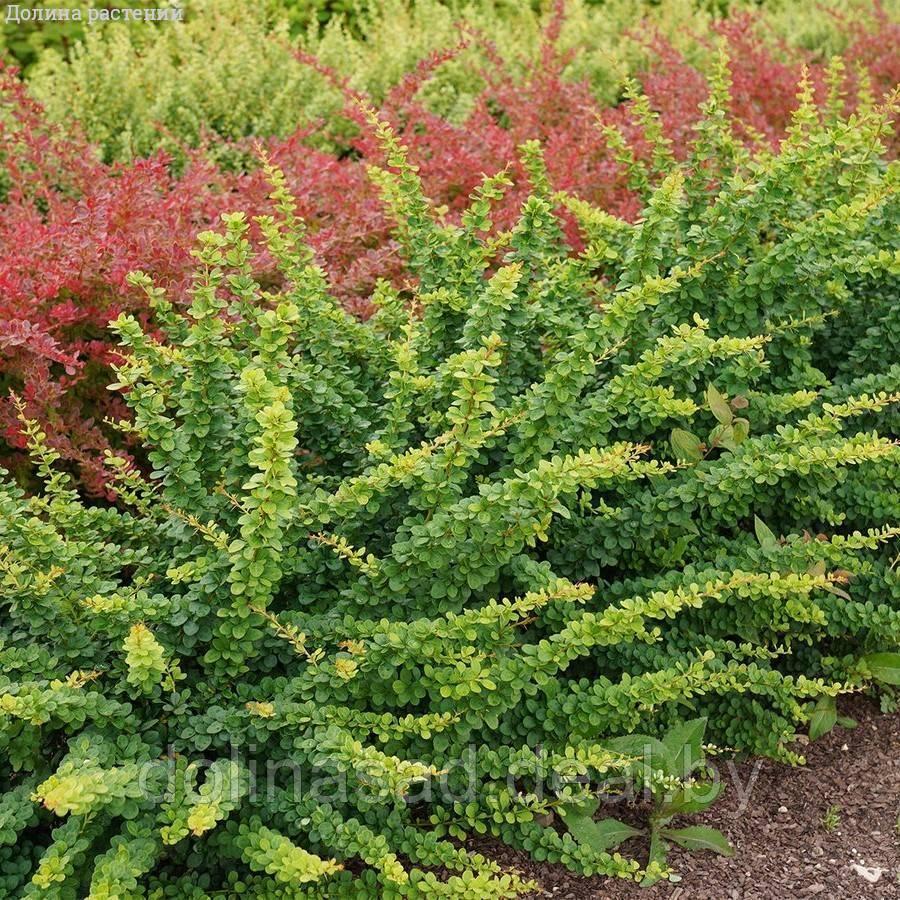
(546, 499)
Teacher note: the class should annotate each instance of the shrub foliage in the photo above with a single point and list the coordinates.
(226, 71)
(392, 582)
(75, 226)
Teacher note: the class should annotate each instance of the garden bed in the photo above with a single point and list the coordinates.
(438, 461)
(787, 842)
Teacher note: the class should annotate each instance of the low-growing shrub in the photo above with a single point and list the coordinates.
(72, 228)
(226, 71)
(399, 581)
(25, 38)
(76, 225)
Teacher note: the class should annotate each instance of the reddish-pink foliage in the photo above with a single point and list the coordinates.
(72, 228)
(873, 45)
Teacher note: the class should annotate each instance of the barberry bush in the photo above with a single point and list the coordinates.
(75, 225)
(229, 70)
(224, 73)
(72, 228)
(389, 584)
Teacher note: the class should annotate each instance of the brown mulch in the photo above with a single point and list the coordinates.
(783, 849)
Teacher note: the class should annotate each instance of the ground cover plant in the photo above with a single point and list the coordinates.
(74, 226)
(551, 517)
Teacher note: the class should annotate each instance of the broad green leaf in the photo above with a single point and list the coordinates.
(583, 807)
(722, 436)
(718, 405)
(645, 749)
(614, 832)
(684, 742)
(599, 836)
(885, 667)
(740, 429)
(838, 592)
(823, 718)
(693, 799)
(766, 537)
(749, 633)
(700, 837)
(580, 827)
(686, 445)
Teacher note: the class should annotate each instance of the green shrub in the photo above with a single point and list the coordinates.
(25, 40)
(541, 499)
(606, 42)
(227, 70)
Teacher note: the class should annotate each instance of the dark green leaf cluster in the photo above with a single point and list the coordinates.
(396, 582)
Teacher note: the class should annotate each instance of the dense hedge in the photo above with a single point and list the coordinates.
(74, 226)
(227, 70)
(542, 497)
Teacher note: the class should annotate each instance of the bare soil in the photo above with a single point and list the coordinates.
(775, 817)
